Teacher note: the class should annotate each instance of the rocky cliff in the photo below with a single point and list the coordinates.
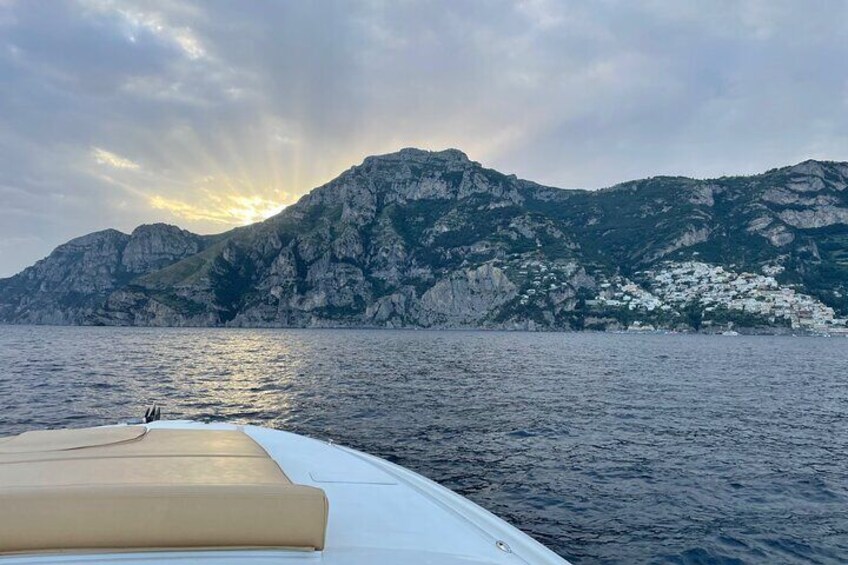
(71, 285)
(433, 239)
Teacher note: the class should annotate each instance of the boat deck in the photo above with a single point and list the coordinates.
(378, 513)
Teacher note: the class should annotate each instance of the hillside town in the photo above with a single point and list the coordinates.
(712, 288)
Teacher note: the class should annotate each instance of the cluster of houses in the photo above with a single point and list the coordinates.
(714, 287)
(620, 292)
(543, 278)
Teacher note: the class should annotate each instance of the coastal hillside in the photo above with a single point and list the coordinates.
(435, 240)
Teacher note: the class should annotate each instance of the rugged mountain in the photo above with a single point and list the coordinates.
(432, 239)
(72, 283)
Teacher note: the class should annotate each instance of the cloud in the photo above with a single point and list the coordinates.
(135, 21)
(113, 112)
(103, 157)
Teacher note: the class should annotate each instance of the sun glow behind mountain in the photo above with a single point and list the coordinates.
(229, 209)
(212, 201)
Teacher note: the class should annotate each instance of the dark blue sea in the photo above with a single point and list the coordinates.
(607, 448)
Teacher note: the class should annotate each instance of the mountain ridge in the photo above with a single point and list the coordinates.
(421, 238)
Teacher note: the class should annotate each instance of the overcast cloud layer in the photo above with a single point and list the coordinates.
(214, 114)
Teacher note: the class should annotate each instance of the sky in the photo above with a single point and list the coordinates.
(210, 114)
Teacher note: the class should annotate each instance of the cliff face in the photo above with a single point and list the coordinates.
(432, 239)
(152, 247)
(72, 283)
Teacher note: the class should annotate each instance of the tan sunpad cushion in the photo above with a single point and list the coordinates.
(61, 440)
(128, 488)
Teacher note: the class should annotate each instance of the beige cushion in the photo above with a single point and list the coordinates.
(134, 471)
(62, 440)
(115, 488)
(154, 443)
